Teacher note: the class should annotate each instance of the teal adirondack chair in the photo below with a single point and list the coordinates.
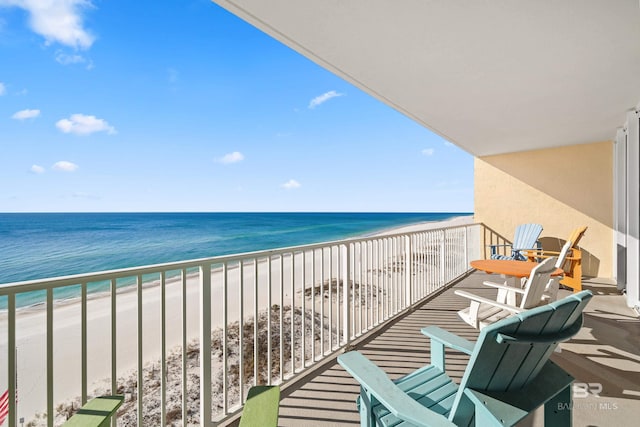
(509, 375)
(525, 238)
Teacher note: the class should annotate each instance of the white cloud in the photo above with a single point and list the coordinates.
(26, 114)
(37, 169)
(449, 144)
(66, 59)
(3, 89)
(291, 184)
(58, 21)
(64, 166)
(323, 98)
(428, 152)
(81, 124)
(234, 157)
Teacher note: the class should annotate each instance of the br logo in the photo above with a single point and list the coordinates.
(582, 390)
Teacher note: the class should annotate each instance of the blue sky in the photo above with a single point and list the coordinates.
(180, 106)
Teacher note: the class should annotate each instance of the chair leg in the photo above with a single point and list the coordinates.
(557, 411)
(573, 278)
(366, 405)
(577, 275)
(551, 290)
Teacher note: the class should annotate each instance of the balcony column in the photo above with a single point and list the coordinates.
(633, 209)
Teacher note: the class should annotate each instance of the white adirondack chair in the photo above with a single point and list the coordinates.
(484, 311)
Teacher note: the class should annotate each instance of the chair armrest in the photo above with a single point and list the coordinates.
(504, 287)
(527, 249)
(377, 383)
(504, 245)
(539, 253)
(542, 254)
(489, 301)
(494, 248)
(447, 338)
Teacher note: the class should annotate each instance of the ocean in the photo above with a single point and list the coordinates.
(44, 245)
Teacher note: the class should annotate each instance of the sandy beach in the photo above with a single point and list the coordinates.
(31, 326)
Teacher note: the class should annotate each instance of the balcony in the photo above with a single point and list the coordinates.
(123, 328)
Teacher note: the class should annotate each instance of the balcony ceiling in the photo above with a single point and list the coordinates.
(490, 76)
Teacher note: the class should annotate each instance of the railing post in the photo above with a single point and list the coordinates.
(303, 308)
(442, 257)
(114, 371)
(409, 270)
(466, 248)
(346, 294)
(281, 318)
(83, 340)
(183, 277)
(205, 345)
(12, 359)
(163, 349)
(225, 337)
(269, 314)
(140, 384)
(50, 376)
(240, 330)
(255, 321)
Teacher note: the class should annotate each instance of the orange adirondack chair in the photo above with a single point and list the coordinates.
(573, 263)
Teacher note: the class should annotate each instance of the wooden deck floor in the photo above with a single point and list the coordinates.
(605, 352)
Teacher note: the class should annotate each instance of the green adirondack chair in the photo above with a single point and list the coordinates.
(508, 376)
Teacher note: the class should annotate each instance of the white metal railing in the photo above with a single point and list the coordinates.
(186, 340)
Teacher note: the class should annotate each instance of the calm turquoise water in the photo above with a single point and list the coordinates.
(42, 245)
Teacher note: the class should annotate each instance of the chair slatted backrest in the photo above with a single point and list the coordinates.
(537, 283)
(526, 236)
(511, 352)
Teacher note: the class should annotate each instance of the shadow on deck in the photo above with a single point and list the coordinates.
(606, 354)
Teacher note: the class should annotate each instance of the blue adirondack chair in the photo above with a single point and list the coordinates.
(509, 375)
(525, 238)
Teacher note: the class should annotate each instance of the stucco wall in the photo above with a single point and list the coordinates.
(560, 188)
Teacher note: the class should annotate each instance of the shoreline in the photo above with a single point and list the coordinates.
(425, 225)
(408, 228)
(73, 244)
(31, 323)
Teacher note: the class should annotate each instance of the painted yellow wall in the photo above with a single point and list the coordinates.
(560, 188)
